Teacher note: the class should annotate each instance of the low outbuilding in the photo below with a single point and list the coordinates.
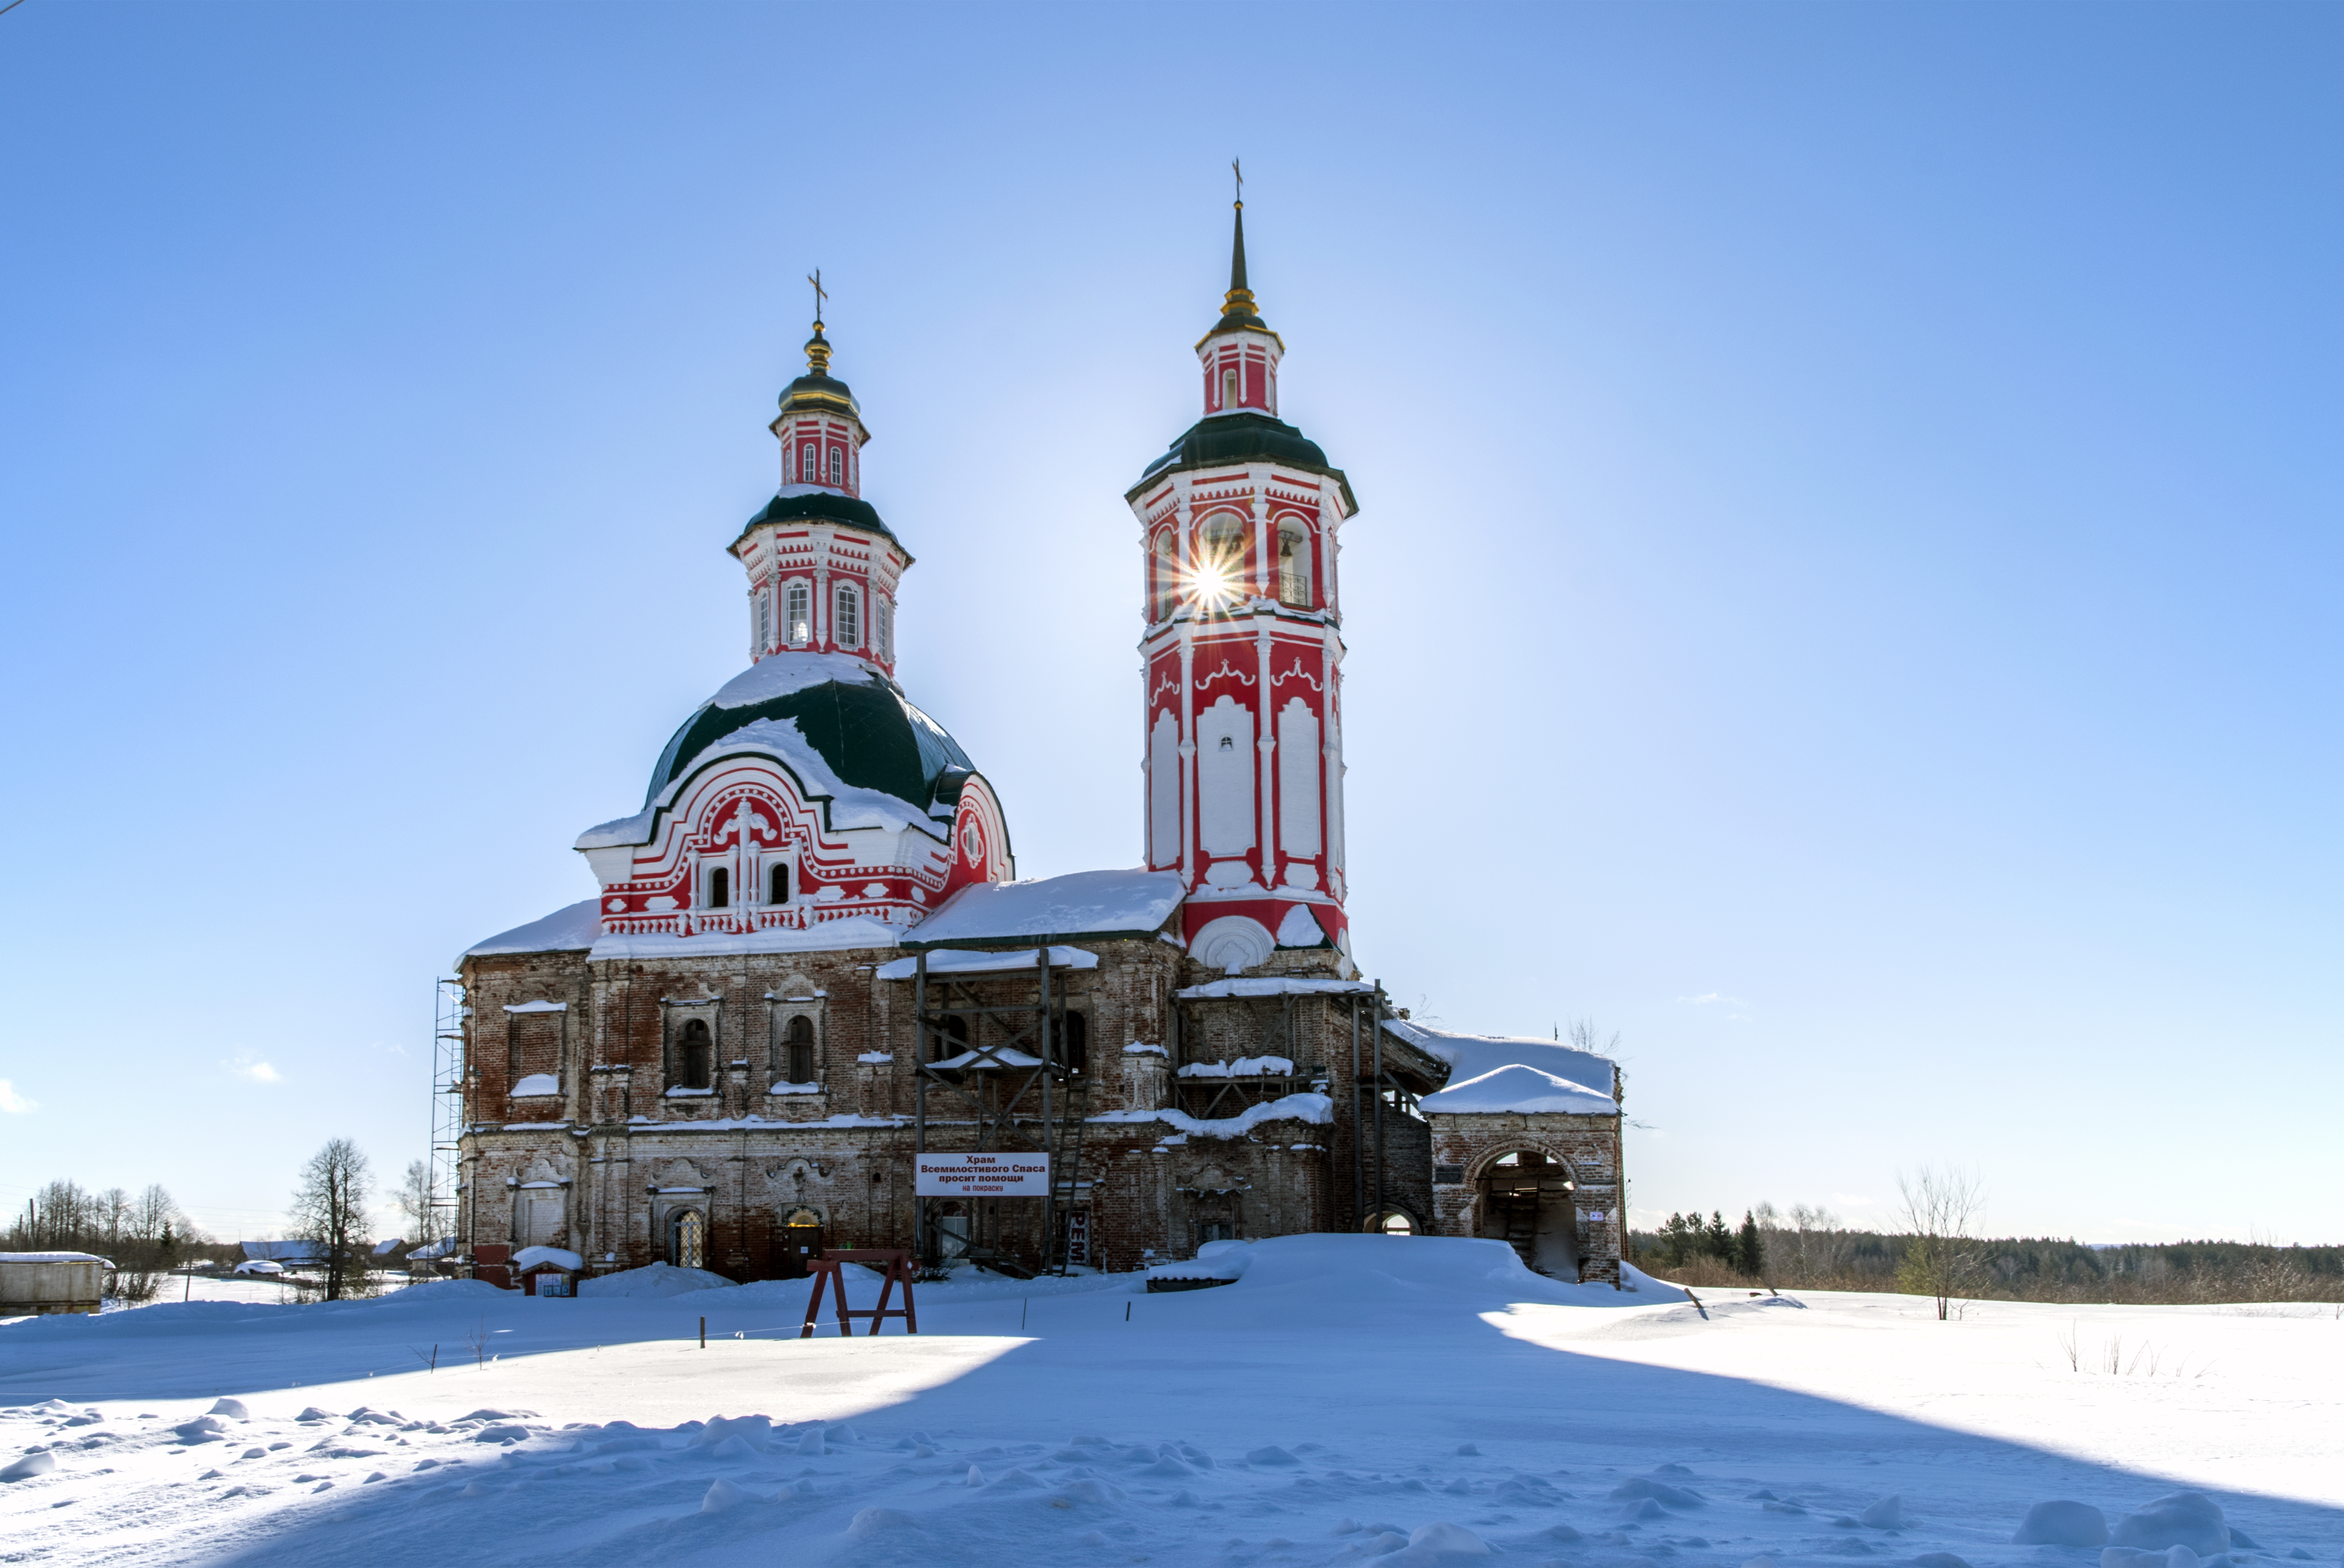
(34, 1284)
(547, 1270)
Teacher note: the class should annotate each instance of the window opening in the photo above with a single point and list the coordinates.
(801, 1050)
(1228, 389)
(695, 1056)
(837, 465)
(777, 885)
(687, 1238)
(1217, 1231)
(720, 889)
(764, 621)
(1075, 1040)
(807, 472)
(883, 617)
(953, 1038)
(1167, 568)
(1293, 566)
(845, 624)
(801, 615)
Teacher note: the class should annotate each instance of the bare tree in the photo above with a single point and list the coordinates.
(329, 1207)
(425, 1221)
(1939, 1206)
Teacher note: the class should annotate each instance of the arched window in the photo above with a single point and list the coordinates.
(763, 619)
(1228, 389)
(809, 470)
(847, 625)
(695, 1056)
(687, 1238)
(838, 465)
(1165, 568)
(777, 884)
(1074, 1043)
(720, 889)
(953, 1038)
(882, 623)
(1294, 565)
(1220, 561)
(800, 612)
(800, 1049)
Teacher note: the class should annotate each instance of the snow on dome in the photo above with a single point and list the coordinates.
(1079, 903)
(785, 674)
(573, 925)
(1519, 1089)
(1471, 1056)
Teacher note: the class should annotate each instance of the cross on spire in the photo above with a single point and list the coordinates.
(1239, 173)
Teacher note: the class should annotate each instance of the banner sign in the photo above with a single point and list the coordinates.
(981, 1175)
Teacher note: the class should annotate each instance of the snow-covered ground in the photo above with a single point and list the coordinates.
(1404, 1401)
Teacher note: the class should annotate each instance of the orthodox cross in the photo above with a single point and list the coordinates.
(820, 294)
(1239, 173)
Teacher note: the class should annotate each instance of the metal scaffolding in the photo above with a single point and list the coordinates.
(1017, 1089)
(447, 1100)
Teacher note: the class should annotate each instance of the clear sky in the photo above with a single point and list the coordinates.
(1845, 593)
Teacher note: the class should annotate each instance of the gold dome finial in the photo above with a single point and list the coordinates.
(817, 348)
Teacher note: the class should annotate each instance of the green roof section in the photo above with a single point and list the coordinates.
(846, 511)
(1220, 441)
(868, 733)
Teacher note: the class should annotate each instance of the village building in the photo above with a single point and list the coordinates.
(811, 964)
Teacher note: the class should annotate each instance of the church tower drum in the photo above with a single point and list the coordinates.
(1241, 659)
(823, 567)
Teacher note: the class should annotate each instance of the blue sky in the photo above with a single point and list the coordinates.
(1845, 593)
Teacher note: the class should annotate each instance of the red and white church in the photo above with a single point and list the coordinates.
(811, 962)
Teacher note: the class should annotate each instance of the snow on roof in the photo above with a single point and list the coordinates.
(962, 961)
(844, 806)
(259, 1266)
(530, 1257)
(1519, 1089)
(293, 1251)
(990, 1061)
(54, 1258)
(848, 932)
(572, 926)
(385, 1248)
(783, 673)
(1304, 1108)
(1473, 1055)
(440, 1249)
(536, 1084)
(1275, 987)
(1053, 909)
(539, 1006)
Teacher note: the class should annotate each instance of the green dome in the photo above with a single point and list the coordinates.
(1219, 440)
(858, 724)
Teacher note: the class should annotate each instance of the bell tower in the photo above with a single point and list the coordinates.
(1241, 662)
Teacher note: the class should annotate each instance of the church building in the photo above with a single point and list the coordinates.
(811, 973)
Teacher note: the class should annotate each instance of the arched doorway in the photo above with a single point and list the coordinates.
(1526, 1199)
(1392, 1222)
(801, 1240)
(687, 1238)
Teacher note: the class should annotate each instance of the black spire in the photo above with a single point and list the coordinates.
(1237, 258)
(1238, 311)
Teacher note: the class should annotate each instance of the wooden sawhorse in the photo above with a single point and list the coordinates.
(896, 1267)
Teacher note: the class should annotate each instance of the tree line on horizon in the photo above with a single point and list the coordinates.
(146, 1236)
(1807, 1246)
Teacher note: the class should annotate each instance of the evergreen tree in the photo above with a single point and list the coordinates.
(1717, 1241)
(1752, 1250)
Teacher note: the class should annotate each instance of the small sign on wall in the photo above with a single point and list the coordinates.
(981, 1175)
(1079, 1236)
(1594, 1216)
